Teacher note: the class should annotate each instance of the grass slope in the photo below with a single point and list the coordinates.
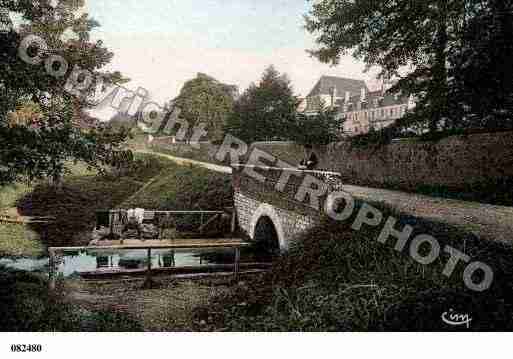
(74, 205)
(185, 188)
(338, 279)
(25, 304)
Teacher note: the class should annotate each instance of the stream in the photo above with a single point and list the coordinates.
(72, 264)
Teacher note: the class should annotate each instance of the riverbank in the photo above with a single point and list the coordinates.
(73, 205)
(157, 183)
(171, 306)
(339, 279)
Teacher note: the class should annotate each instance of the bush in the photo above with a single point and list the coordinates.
(26, 305)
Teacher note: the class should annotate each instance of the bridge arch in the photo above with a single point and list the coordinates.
(266, 210)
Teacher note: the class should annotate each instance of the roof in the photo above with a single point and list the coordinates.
(342, 84)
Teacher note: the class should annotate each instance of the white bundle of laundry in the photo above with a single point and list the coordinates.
(136, 214)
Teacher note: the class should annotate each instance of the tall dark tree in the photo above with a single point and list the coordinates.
(322, 129)
(206, 100)
(482, 67)
(395, 35)
(265, 112)
(38, 131)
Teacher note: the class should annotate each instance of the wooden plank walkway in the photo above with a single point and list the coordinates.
(26, 220)
(203, 269)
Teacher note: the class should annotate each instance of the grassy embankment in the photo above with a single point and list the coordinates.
(338, 279)
(204, 153)
(73, 205)
(151, 183)
(18, 240)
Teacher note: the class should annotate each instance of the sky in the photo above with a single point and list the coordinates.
(160, 44)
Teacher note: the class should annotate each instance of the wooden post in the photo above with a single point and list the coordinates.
(234, 220)
(51, 274)
(111, 224)
(45, 231)
(148, 273)
(236, 266)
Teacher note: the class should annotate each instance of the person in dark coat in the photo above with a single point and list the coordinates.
(310, 161)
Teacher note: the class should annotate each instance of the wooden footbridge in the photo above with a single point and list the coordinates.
(160, 243)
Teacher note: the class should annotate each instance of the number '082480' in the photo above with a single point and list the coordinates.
(24, 348)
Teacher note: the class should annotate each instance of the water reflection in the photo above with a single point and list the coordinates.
(73, 263)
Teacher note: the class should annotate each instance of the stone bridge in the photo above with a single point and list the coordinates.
(276, 205)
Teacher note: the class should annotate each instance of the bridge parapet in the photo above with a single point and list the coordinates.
(289, 188)
(293, 199)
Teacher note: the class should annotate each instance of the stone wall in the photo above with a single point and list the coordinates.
(456, 162)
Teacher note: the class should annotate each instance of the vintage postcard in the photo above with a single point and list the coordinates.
(249, 166)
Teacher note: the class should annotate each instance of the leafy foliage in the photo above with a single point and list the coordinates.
(264, 112)
(206, 100)
(38, 119)
(321, 129)
(448, 49)
(482, 70)
(27, 305)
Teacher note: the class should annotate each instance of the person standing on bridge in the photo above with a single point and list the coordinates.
(310, 161)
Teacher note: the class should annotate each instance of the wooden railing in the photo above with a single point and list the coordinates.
(175, 244)
(163, 217)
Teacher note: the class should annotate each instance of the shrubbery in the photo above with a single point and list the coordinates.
(26, 305)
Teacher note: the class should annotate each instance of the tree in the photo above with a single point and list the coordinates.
(37, 116)
(482, 69)
(265, 112)
(206, 100)
(321, 129)
(394, 35)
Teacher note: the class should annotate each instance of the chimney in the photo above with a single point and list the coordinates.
(411, 102)
(386, 85)
(333, 96)
(363, 95)
(348, 97)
